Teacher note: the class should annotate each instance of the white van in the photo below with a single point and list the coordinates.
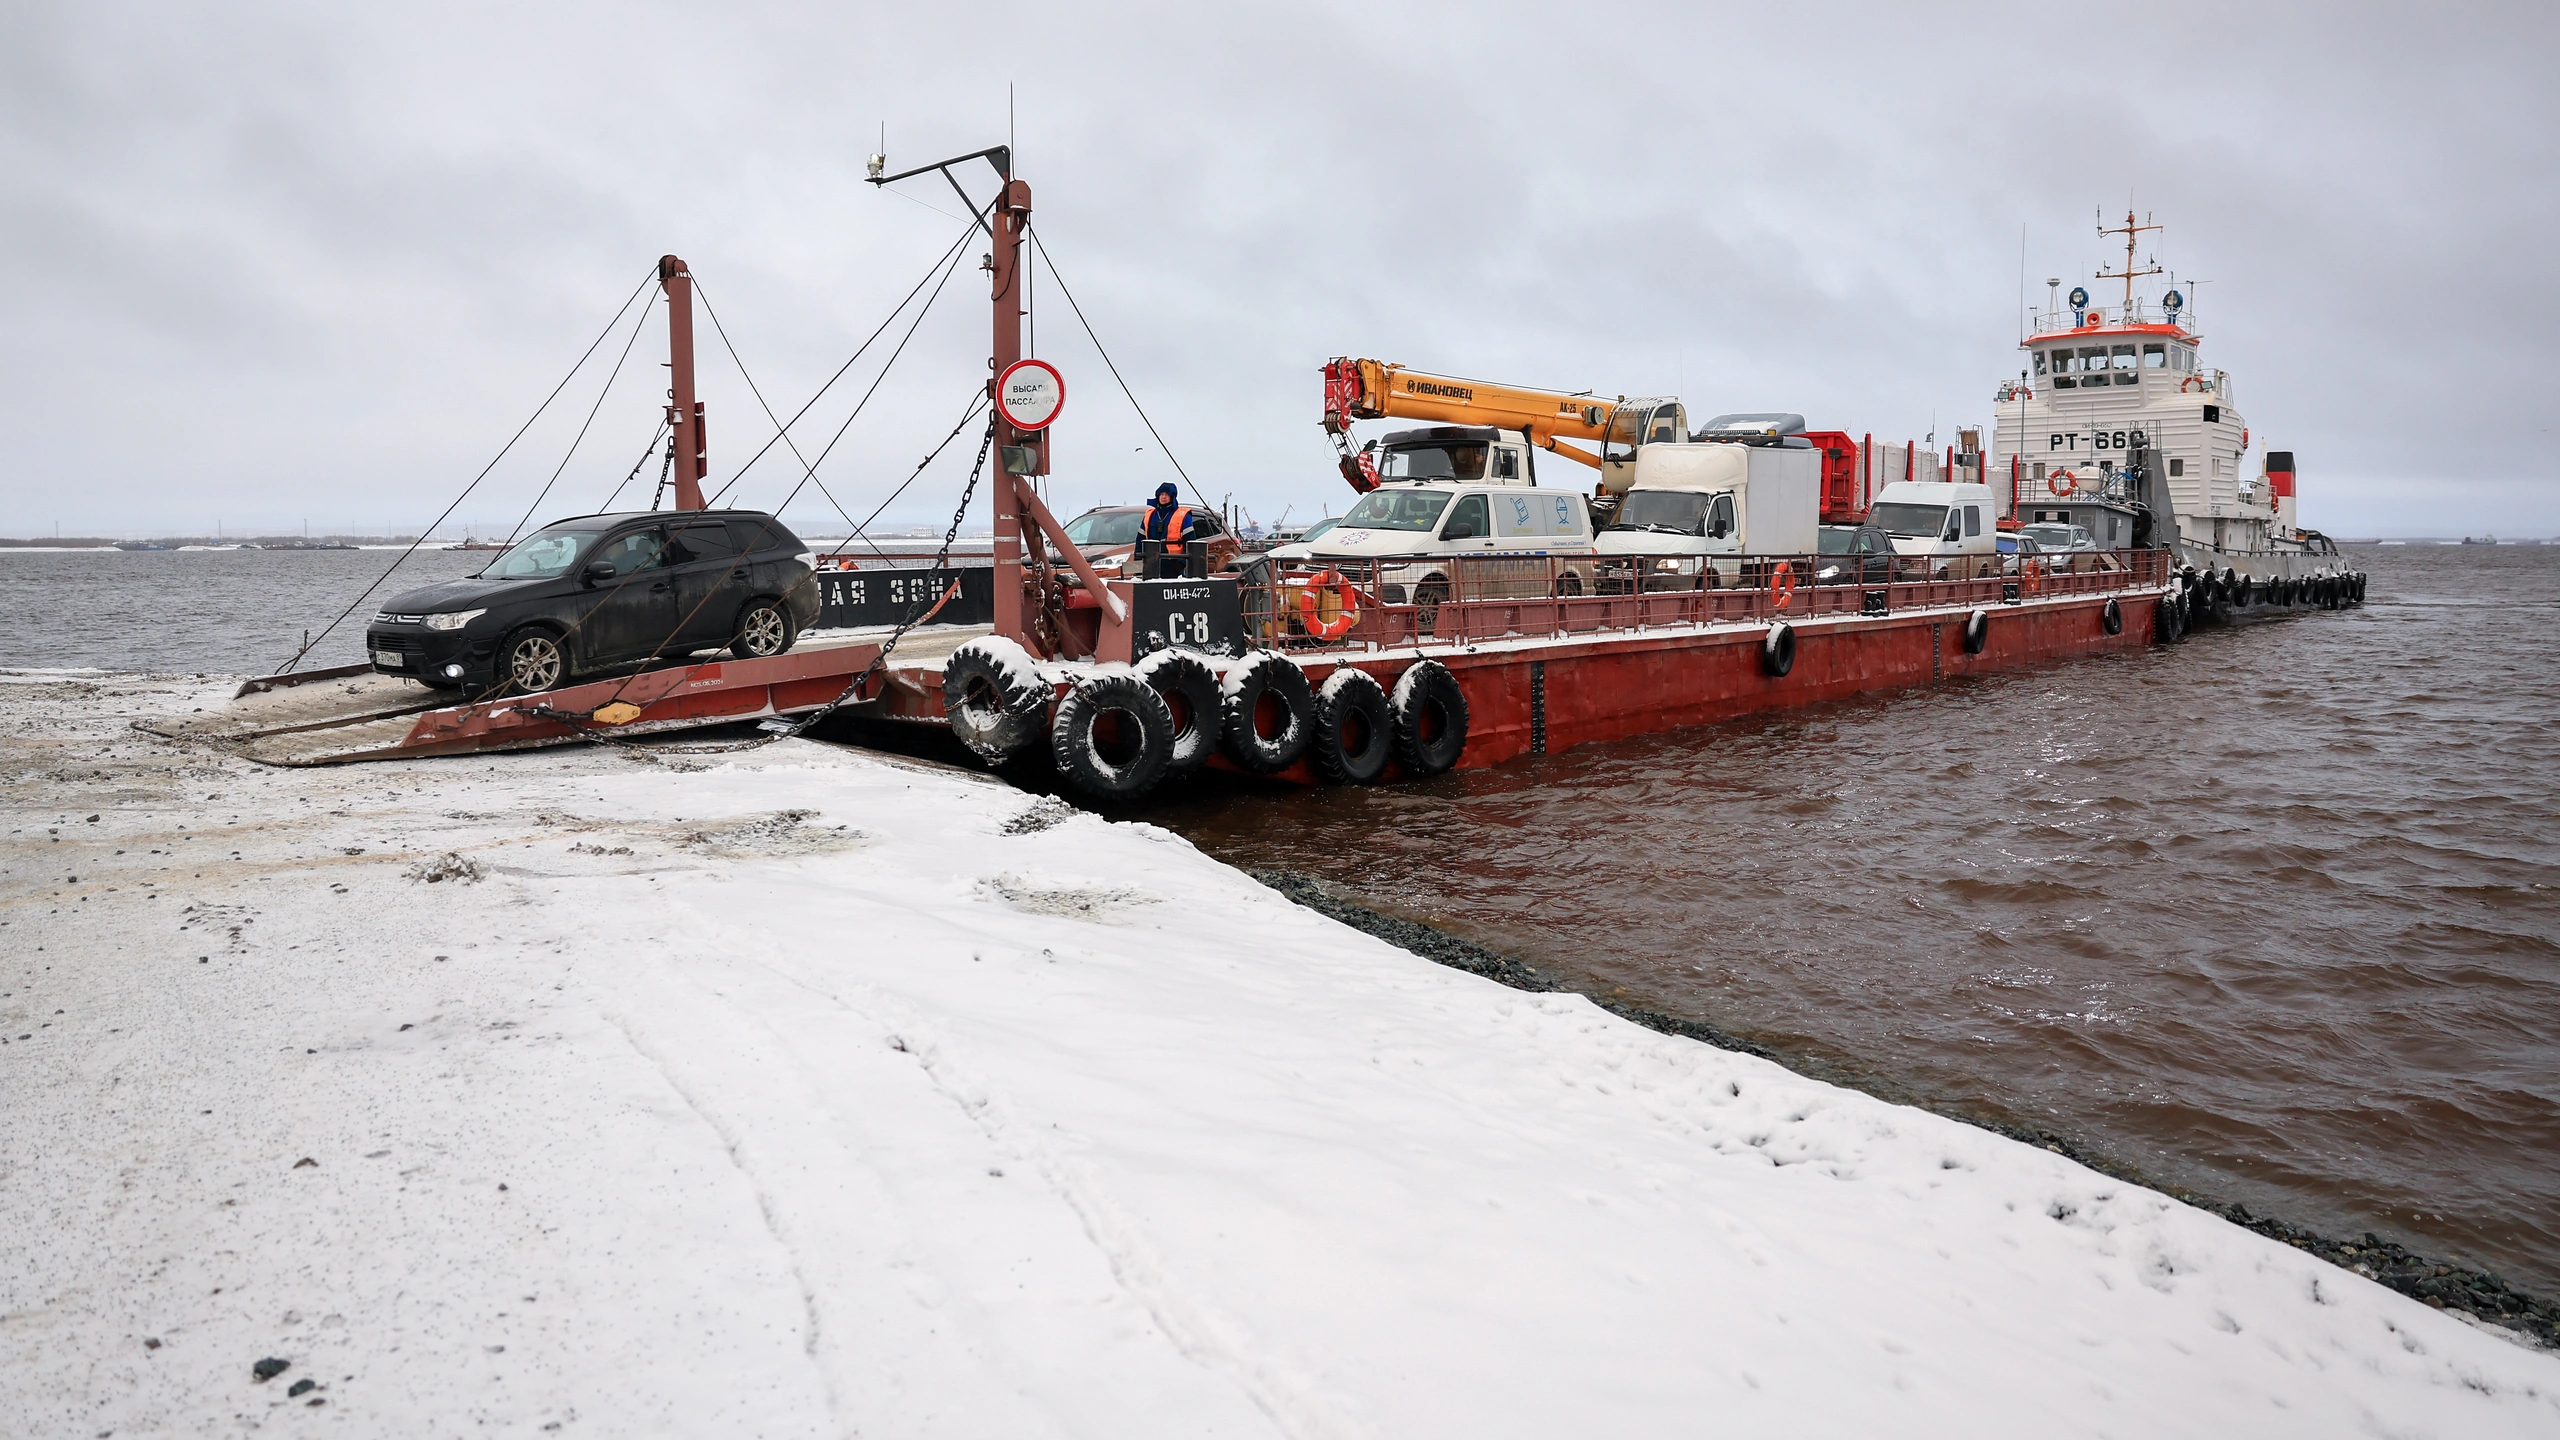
(1513, 533)
(1951, 531)
(1692, 510)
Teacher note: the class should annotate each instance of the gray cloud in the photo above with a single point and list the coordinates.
(280, 262)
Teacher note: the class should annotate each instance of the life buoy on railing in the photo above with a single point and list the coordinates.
(2030, 577)
(2063, 482)
(2190, 383)
(1346, 606)
(1782, 584)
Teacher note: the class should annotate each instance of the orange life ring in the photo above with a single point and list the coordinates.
(2062, 482)
(1346, 606)
(2189, 383)
(1782, 585)
(2031, 577)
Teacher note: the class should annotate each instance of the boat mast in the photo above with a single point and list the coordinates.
(684, 413)
(2128, 230)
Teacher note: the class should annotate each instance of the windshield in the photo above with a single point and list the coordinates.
(1925, 521)
(542, 554)
(2052, 537)
(1682, 512)
(1432, 462)
(1836, 541)
(1317, 529)
(1106, 527)
(1397, 510)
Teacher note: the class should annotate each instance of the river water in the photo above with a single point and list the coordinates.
(2269, 915)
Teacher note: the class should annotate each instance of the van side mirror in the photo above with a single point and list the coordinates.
(598, 571)
(1459, 530)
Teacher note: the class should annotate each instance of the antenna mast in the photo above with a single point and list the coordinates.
(2128, 274)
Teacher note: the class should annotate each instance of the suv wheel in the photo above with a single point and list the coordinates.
(532, 661)
(765, 629)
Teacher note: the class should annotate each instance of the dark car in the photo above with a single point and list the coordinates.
(603, 592)
(1859, 554)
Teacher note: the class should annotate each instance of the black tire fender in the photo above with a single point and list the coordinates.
(1355, 734)
(1266, 675)
(1778, 651)
(2164, 622)
(994, 696)
(1977, 631)
(1190, 691)
(1430, 712)
(1112, 736)
(2112, 617)
(2245, 591)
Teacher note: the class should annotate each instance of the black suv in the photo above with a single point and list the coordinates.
(601, 592)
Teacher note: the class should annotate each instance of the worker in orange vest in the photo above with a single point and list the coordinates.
(1170, 521)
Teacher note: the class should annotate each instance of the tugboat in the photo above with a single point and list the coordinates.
(2118, 425)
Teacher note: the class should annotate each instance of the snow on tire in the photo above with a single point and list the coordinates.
(1430, 713)
(1269, 712)
(1190, 691)
(994, 696)
(1355, 735)
(1112, 736)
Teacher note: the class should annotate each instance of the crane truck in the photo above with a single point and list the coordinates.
(1477, 414)
(1482, 420)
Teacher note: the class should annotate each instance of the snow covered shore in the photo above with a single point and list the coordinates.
(813, 1093)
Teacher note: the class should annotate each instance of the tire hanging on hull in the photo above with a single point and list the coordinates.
(1112, 736)
(1267, 686)
(994, 697)
(1430, 716)
(1190, 691)
(1778, 651)
(1354, 733)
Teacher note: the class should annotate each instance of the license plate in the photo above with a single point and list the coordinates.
(389, 657)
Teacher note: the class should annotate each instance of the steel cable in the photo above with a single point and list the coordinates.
(537, 414)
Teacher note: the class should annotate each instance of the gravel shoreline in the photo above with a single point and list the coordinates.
(2477, 1294)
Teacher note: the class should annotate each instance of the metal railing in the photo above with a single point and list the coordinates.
(1455, 600)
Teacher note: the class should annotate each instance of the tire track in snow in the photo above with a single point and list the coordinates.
(731, 1145)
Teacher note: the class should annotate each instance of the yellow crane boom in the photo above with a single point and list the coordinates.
(1377, 390)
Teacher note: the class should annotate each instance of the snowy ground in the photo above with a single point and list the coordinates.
(817, 1094)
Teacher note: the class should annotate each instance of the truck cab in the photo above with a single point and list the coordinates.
(1471, 454)
(1943, 530)
(1691, 511)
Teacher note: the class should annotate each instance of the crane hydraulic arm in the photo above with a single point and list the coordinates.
(1373, 390)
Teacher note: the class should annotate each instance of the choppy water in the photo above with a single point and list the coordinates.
(2270, 914)
(216, 611)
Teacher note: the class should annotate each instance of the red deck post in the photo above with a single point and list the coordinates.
(684, 413)
(1012, 215)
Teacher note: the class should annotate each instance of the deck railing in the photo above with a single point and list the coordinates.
(1412, 600)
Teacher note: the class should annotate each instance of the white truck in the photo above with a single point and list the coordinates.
(1691, 512)
(1945, 531)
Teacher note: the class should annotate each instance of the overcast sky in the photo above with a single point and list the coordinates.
(275, 263)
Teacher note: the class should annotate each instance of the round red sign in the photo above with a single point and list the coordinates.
(1031, 393)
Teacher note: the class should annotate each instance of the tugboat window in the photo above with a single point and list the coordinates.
(2155, 357)
(2123, 360)
(2177, 469)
